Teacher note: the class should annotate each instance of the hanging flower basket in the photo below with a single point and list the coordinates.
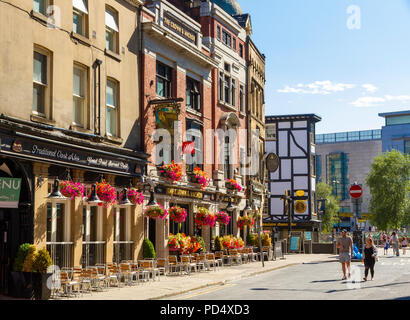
(223, 218)
(70, 189)
(204, 218)
(172, 172)
(177, 214)
(201, 178)
(107, 194)
(156, 212)
(232, 184)
(246, 221)
(135, 197)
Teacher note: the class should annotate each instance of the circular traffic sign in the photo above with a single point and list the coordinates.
(356, 191)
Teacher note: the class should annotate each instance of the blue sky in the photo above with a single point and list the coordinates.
(317, 64)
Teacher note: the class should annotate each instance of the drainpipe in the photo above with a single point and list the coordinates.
(97, 109)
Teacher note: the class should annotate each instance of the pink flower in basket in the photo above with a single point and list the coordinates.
(223, 218)
(72, 190)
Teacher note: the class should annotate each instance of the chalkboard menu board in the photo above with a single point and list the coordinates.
(278, 250)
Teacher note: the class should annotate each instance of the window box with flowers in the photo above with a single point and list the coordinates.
(232, 184)
(200, 177)
(171, 172)
(156, 212)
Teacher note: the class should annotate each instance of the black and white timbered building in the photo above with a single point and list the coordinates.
(292, 139)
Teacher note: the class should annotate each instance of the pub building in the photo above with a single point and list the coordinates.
(70, 110)
(180, 84)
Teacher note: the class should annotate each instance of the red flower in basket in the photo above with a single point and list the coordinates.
(201, 177)
(177, 214)
(107, 194)
(223, 218)
(135, 197)
(233, 184)
(72, 190)
(200, 216)
(156, 212)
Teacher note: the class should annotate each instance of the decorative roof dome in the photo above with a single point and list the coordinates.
(232, 7)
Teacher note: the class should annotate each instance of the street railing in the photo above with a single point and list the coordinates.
(93, 253)
(61, 253)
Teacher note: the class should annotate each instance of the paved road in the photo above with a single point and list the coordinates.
(317, 281)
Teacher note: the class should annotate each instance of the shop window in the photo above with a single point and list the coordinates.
(164, 80)
(111, 30)
(193, 94)
(241, 99)
(337, 169)
(80, 17)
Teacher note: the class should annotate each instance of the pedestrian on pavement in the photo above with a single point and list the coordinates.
(395, 243)
(404, 244)
(386, 244)
(345, 245)
(369, 259)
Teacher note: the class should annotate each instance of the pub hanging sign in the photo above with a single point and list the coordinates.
(10, 192)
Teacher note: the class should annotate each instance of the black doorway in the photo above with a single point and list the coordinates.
(16, 225)
(152, 232)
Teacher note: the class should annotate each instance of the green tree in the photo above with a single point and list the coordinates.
(148, 250)
(324, 192)
(388, 181)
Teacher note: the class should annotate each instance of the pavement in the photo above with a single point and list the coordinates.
(171, 286)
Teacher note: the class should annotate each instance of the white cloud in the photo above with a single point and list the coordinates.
(370, 88)
(317, 87)
(375, 101)
(367, 101)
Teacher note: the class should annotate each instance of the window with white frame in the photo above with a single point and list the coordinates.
(233, 92)
(41, 63)
(40, 6)
(111, 30)
(227, 38)
(227, 87)
(58, 222)
(80, 17)
(164, 80)
(112, 108)
(80, 96)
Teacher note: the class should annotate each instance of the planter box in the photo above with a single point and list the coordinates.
(42, 285)
(21, 285)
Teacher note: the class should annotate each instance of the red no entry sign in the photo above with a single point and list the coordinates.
(356, 192)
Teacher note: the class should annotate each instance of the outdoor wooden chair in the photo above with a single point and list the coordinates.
(210, 258)
(113, 275)
(219, 256)
(98, 281)
(202, 259)
(266, 253)
(149, 266)
(162, 266)
(188, 265)
(174, 265)
(235, 256)
(127, 273)
(68, 284)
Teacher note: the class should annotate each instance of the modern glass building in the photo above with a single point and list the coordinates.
(396, 132)
(343, 159)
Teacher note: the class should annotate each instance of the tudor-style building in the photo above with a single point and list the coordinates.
(292, 139)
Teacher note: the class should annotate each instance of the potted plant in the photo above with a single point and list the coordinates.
(156, 212)
(42, 279)
(135, 197)
(172, 172)
(232, 184)
(70, 189)
(107, 194)
(148, 250)
(201, 178)
(20, 283)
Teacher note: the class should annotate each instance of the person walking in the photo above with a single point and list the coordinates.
(369, 259)
(345, 245)
(395, 243)
(404, 244)
(386, 244)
